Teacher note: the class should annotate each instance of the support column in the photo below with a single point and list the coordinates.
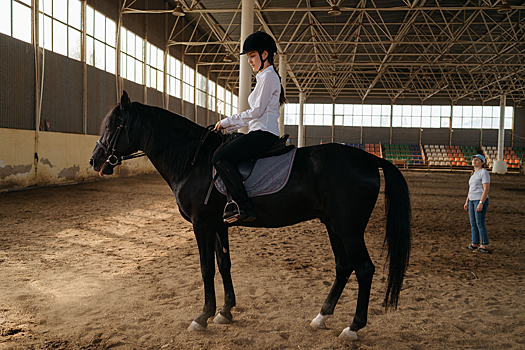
(500, 167)
(333, 120)
(245, 71)
(165, 97)
(39, 82)
(300, 131)
(119, 84)
(145, 55)
(391, 121)
(282, 73)
(83, 49)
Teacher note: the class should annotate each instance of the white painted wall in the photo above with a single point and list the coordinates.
(62, 159)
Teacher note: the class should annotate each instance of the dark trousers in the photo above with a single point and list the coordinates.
(244, 147)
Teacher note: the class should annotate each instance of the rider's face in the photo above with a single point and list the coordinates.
(255, 60)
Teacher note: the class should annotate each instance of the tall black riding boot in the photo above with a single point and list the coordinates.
(240, 207)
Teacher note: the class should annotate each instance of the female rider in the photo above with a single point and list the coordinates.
(262, 122)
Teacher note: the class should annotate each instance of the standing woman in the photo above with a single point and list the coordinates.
(262, 122)
(477, 204)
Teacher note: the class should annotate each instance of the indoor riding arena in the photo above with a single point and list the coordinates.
(421, 87)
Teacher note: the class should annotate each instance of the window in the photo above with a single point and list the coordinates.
(60, 27)
(345, 114)
(188, 75)
(477, 117)
(416, 116)
(291, 114)
(15, 19)
(235, 105)
(317, 114)
(211, 95)
(154, 67)
(174, 77)
(202, 83)
(131, 56)
(220, 100)
(362, 115)
(228, 103)
(100, 41)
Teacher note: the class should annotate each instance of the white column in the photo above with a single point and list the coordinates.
(300, 131)
(500, 167)
(84, 68)
(333, 120)
(282, 73)
(245, 71)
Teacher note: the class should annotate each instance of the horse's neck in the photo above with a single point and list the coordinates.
(168, 140)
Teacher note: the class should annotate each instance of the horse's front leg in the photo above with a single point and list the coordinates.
(205, 235)
(222, 251)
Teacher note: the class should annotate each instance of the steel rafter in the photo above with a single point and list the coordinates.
(387, 48)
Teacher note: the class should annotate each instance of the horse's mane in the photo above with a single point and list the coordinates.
(167, 134)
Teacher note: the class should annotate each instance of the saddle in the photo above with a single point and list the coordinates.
(279, 147)
(245, 167)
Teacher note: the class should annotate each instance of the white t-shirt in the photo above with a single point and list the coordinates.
(476, 182)
(264, 105)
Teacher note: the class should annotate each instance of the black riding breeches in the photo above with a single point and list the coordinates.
(245, 147)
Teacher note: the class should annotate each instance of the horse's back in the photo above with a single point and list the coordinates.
(339, 160)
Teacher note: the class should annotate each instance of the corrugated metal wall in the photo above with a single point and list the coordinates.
(202, 116)
(376, 135)
(62, 93)
(440, 137)
(155, 98)
(101, 96)
(134, 91)
(17, 84)
(174, 105)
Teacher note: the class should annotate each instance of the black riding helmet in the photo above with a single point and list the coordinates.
(259, 41)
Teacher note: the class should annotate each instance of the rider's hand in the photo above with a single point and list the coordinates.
(218, 126)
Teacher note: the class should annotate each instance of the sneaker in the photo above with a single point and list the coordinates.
(471, 247)
(483, 250)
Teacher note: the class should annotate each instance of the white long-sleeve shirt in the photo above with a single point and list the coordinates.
(264, 105)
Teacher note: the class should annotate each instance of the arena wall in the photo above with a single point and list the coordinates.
(45, 158)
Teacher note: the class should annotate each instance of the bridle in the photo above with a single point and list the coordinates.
(113, 160)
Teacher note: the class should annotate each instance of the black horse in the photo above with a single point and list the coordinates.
(337, 184)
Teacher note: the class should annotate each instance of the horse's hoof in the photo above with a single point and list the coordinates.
(348, 334)
(320, 321)
(195, 327)
(220, 319)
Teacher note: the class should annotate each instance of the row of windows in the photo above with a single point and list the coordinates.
(408, 116)
(60, 32)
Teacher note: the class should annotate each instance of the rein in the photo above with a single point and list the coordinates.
(207, 131)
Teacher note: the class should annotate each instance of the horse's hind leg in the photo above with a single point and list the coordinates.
(222, 252)
(343, 270)
(364, 270)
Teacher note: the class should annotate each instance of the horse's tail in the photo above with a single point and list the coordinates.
(398, 233)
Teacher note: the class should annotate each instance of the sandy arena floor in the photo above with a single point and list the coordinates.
(112, 264)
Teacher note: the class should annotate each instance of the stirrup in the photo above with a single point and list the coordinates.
(230, 216)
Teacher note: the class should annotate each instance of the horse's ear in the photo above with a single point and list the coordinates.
(124, 100)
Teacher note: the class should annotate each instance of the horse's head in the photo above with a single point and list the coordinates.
(114, 140)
